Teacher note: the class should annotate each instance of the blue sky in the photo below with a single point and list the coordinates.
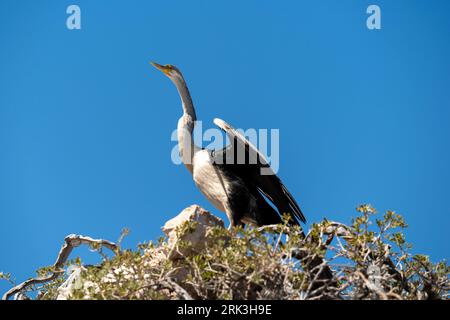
(85, 121)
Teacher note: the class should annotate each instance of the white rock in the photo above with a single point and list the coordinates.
(203, 221)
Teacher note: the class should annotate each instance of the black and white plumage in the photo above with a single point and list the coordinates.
(233, 186)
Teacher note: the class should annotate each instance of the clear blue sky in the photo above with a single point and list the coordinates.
(85, 121)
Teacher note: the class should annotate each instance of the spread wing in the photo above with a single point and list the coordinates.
(251, 170)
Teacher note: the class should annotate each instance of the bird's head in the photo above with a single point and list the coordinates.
(177, 79)
(169, 70)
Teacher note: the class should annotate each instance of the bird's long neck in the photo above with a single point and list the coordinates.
(186, 100)
(186, 125)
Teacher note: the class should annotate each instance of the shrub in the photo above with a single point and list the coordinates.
(363, 260)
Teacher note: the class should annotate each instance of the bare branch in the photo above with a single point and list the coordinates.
(70, 242)
(180, 291)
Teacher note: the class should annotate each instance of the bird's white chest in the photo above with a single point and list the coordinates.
(209, 180)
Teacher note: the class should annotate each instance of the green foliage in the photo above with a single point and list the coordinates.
(6, 277)
(365, 260)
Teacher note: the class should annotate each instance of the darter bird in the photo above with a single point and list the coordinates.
(235, 187)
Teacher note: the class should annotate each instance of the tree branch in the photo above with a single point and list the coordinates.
(70, 242)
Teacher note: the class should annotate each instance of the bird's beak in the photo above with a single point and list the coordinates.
(164, 69)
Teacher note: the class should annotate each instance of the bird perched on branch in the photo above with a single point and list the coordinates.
(238, 188)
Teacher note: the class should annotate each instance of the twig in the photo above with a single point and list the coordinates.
(372, 287)
(177, 288)
(70, 242)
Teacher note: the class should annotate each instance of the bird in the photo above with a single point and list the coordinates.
(239, 189)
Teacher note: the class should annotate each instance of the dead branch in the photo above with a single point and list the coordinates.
(180, 291)
(70, 242)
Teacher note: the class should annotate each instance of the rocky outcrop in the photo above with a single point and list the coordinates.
(192, 226)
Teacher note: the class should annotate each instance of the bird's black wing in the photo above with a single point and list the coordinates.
(251, 171)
